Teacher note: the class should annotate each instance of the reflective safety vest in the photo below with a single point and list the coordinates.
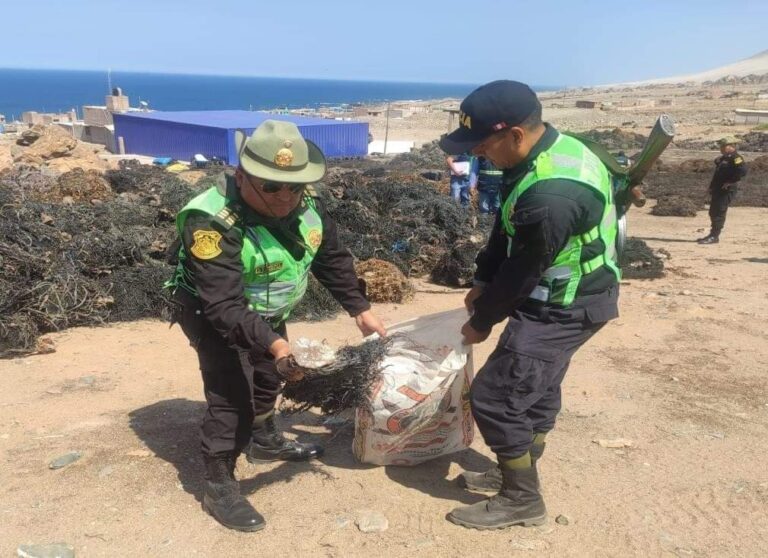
(570, 159)
(274, 281)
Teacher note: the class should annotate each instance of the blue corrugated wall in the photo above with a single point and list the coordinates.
(334, 140)
(164, 138)
(143, 136)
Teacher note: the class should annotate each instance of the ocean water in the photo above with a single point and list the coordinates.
(53, 91)
(61, 90)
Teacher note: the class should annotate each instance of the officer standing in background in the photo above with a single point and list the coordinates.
(729, 169)
(550, 268)
(248, 246)
(462, 170)
(488, 184)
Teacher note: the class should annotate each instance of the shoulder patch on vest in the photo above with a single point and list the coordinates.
(206, 245)
(738, 160)
(315, 238)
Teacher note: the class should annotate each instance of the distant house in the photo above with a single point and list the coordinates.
(587, 104)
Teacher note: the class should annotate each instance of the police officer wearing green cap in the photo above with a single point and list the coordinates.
(247, 248)
(729, 170)
(550, 268)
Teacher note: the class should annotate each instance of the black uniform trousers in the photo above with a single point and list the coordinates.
(718, 207)
(238, 385)
(517, 392)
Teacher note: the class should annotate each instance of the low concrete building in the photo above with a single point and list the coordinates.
(752, 116)
(32, 118)
(97, 116)
(587, 104)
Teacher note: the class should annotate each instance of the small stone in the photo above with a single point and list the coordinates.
(64, 460)
(563, 519)
(139, 453)
(675, 379)
(68, 200)
(56, 550)
(104, 472)
(523, 544)
(372, 522)
(615, 443)
(342, 522)
(87, 380)
(54, 391)
(97, 201)
(685, 293)
(420, 543)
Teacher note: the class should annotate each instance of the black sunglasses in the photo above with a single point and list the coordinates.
(274, 187)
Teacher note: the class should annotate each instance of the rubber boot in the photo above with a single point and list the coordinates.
(519, 502)
(711, 238)
(222, 498)
(490, 480)
(268, 444)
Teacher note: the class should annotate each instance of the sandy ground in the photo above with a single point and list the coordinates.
(682, 374)
(700, 112)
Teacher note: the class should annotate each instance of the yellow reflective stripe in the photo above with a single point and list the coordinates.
(591, 235)
(592, 265)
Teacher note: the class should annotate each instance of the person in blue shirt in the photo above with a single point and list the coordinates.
(488, 183)
(463, 169)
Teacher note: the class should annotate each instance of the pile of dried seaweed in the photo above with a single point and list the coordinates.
(639, 262)
(343, 384)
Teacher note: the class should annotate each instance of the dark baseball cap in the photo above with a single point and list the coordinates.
(489, 109)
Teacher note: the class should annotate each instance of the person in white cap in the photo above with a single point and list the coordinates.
(247, 248)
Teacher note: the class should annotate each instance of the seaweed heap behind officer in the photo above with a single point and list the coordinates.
(729, 169)
(550, 268)
(248, 246)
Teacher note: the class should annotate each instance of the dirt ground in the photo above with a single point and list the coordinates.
(682, 375)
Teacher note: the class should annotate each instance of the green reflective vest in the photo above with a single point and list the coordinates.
(274, 282)
(570, 159)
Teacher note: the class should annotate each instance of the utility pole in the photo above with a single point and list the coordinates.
(386, 130)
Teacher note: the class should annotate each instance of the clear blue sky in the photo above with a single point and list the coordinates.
(560, 42)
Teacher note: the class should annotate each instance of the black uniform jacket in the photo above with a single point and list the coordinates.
(219, 280)
(729, 169)
(546, 216)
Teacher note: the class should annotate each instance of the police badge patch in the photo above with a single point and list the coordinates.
(315, 238)
(206, 244)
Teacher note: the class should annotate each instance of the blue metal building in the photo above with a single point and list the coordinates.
(182, 134)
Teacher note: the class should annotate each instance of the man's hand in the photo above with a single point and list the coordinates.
(289, 369)
(726, 186)
(472, 336)
(469, 300)
(368, 323)
(280, 349)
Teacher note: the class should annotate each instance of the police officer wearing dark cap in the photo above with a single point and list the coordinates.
(550, 269)
(729, 169)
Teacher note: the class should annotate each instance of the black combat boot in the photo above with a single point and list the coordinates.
(268, 444)
(490, 480)
(709, 239)
(222, 498)
(517, 503)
